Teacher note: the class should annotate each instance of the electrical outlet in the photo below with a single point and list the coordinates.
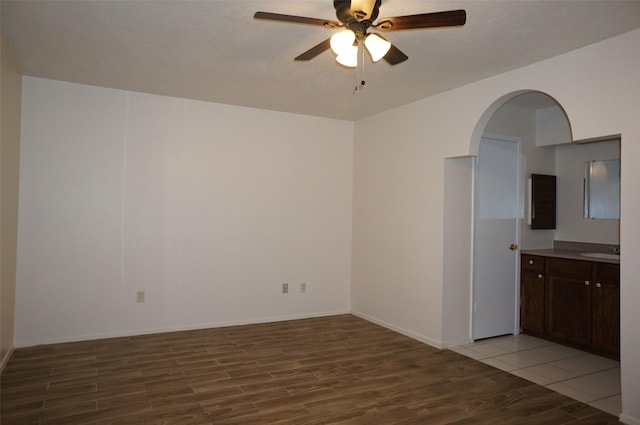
(140, 297)
(303, 287)
(285, 288)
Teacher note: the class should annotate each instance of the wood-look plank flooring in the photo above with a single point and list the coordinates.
(332, 370)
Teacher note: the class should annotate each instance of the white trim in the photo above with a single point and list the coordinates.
(456, 343)
(123, 198)
(405, 332)
(629, 420)
(472, 267)
(6, 358)
(501, 137)
(89, 337)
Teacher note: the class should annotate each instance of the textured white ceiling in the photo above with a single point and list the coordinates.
(215, 51)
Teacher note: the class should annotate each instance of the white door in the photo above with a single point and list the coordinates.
(496, 212)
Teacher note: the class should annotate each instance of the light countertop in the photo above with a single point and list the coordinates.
(568, 254)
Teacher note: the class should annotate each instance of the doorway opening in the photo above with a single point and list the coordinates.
(530, 125)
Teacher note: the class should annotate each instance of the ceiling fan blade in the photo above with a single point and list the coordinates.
(267, 16)
(394, 56)
(315, 51)
(450, 18)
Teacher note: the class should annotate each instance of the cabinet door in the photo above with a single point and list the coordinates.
(543, 201)
(532, 301)
(605, 335)
(569, 308)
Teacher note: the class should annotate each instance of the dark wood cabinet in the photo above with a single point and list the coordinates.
(605, 325)
(532, 294)
(543, 201)
(569, 300)
(574, 302)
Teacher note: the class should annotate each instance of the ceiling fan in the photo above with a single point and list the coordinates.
(356, 17)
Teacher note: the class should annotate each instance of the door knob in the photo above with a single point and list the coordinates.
(513, 247)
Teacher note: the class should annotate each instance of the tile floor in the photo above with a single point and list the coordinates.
(577, 374)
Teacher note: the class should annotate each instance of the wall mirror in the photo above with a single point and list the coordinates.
(602, 189)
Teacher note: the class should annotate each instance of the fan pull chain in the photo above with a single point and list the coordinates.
(359, 78)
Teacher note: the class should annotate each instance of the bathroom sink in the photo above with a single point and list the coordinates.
(601, 255)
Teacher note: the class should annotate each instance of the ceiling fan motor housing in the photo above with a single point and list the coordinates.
(353, 16)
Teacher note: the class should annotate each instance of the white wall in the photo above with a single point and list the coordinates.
(397, 261)
(572, 226)
(11, 89)
(207, 208)
(458, 250)
(399, 180)
(552, 127)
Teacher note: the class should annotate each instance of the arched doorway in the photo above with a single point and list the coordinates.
(508, 154)
(505, 116)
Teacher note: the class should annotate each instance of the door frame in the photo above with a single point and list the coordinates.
(519, 219)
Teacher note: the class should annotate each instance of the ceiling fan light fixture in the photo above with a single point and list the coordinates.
(376, 46)
(348, 57)
(344, 46)
(342, 42)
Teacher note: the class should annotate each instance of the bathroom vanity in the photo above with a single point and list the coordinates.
(571, 294)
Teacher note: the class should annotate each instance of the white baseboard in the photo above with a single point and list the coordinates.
(405, 332)
(629, 420)
(6, 358)
(456, 342)
(119, 334)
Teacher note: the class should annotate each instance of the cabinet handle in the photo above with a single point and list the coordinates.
(530, 261)
(586, 283)
(539, 276)
(598, 285)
